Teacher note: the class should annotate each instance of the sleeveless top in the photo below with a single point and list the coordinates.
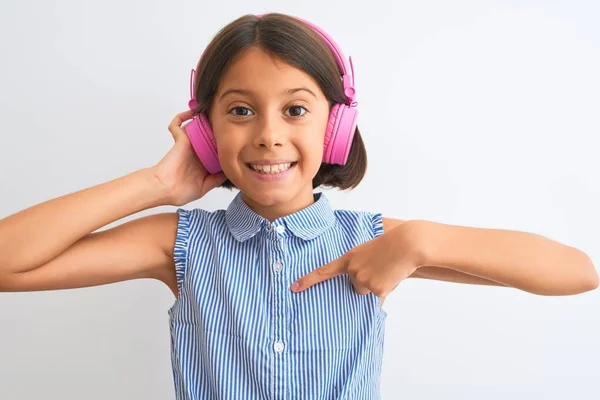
(239, 332)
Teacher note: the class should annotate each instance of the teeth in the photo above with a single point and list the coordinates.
(270, 169)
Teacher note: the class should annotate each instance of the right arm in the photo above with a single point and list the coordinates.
(53, 245)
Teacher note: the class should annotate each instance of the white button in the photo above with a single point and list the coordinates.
(277, 266)
(280, 229)
(279, 346)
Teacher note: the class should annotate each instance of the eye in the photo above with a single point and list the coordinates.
(297, 110)
(244, 111)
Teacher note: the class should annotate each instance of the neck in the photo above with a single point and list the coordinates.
(276, 210)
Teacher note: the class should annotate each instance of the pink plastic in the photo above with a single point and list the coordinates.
(340, 128)
(202, 140)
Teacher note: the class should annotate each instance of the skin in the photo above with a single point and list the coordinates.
(41, 252)
(56, 244)
(268, 123)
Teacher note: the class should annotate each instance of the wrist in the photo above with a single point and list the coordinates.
(157, 193)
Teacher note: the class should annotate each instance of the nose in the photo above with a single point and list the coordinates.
(270, 131)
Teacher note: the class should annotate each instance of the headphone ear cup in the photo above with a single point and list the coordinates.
(340, 132)
(203, 142)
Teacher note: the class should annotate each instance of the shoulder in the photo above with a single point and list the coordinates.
(194, 221)
(195, 215)
(352, 219)
(192, 228)
(359, 223)
(391, 223)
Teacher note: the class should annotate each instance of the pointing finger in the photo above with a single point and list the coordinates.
(327, 271)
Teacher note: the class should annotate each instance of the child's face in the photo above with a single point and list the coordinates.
(266, 123)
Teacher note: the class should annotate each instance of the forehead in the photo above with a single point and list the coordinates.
(259, 72)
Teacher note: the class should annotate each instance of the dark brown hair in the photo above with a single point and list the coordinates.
(287, 39)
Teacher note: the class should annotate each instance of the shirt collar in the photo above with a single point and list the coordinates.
(307, 224)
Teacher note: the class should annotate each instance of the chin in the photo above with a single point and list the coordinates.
(289, 190)
(269, 197)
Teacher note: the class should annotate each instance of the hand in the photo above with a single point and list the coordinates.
(180, 171)
(377, 266)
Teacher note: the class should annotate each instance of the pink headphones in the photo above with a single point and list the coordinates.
(340, 127)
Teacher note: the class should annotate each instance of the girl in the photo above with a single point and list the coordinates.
(278, 295)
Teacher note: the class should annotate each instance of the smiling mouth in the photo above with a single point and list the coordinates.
(271, 169)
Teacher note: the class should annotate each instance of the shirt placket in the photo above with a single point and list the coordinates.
(277, 265)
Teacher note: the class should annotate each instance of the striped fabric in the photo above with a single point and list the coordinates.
(239, 332)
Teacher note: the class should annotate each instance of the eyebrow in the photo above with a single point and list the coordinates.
(249, 92)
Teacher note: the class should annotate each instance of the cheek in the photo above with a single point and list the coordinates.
(229, 146)
(314, 139)
(229, 138)
(220, 130)
(321, 132)
(311, 148)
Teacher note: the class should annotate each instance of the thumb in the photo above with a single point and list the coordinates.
(327, 271)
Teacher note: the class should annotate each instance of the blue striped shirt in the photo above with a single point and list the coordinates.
(238, 331)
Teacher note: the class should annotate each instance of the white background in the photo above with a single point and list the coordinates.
(479, 113)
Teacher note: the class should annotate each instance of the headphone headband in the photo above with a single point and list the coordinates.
(346, 66)
(341, 124)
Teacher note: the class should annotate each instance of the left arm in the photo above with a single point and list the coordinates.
(440, 273)
(501, 257)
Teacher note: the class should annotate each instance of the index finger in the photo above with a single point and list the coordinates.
(327, 271)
